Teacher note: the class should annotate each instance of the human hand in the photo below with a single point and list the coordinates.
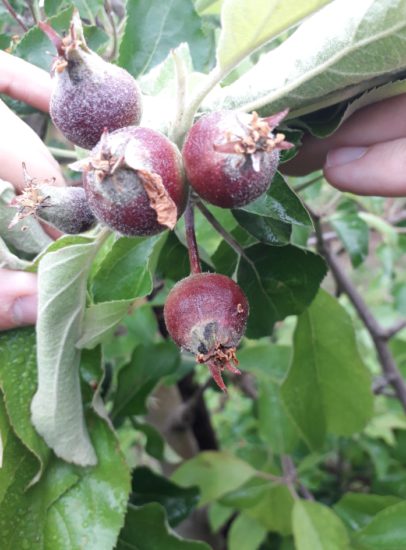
(18, 144)
(365, 156)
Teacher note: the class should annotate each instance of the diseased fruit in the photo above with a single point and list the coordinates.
(65, 208)
(89, 94)
(230, 157)
(206, 314)
(134, 181)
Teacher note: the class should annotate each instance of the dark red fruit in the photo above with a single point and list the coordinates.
(206, 314)
(89, 94)
(231, 157)
(134, 181)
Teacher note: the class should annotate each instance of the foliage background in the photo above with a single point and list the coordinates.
(138, 449)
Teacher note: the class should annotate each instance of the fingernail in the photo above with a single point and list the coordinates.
(25, 310)
(344, 155)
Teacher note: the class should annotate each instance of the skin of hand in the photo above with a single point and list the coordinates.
(18, 144)
(365, 156)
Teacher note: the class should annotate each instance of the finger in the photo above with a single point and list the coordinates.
(18, 144)
(376, 123)
(376, 170)
(23, 81)
(18, 299)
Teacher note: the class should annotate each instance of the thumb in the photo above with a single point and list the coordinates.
(18, 298)
(379, 169)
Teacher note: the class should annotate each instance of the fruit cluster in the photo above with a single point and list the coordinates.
(134, 182)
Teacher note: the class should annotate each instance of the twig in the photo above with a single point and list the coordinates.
(114, 46)
(15, 15)
(63, 153)
(292, 480)
(378, 334)
(388, 333)
(194, 259)
(307, 184)
(235, 245)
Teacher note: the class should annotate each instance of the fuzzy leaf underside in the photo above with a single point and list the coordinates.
(337, 53)
(57, 411)
(247, 26)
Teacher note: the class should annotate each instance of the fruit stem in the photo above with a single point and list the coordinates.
(181, 94)
(53, 37)
(235, 245)
(194, 259)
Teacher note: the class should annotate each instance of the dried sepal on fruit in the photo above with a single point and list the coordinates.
(206, 314)
(89, 93)
(231, 157)
(65, 208)
(134, 181)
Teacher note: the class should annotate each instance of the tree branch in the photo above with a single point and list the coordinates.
(378, 334)
(15, 15)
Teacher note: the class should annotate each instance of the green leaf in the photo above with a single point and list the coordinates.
(57, 411)
(23, 508)
(155, 445)
(387, 231)
(334, 55)
(328, 386)
(273, 509)
(18, 381)
(137, 379)
(384, 426)
(353, 233)
(316, 527)
(245, 534)
(22, 511)
(92, 512)
(270, 364)
(386, 531)
(11, 450)
(357, 510)
(173, 260)
(35, 46)
(100, 321)
(266, 230)
(151, 487)
(248, 494)
(215, 473)
(280, 203)
(139, 327)
(218, 515)
(246, 27)
(281, 281)
(8, 260)
(126, 271)
(146, 529)
(275, 426)
(267, 361)
(152, 30)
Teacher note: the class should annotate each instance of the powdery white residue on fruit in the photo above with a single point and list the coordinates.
(91, 95)
(227, 180)
(119, 200)
(204, 311)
